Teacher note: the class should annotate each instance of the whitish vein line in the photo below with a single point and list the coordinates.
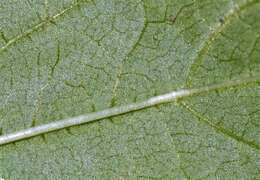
(86, 118)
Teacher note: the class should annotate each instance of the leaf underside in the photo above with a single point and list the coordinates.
(60, 59)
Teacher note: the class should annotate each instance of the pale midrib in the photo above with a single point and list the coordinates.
(86, 118)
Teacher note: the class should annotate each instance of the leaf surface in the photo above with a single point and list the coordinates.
(60, 59)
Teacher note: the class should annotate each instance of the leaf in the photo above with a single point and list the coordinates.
(60, 59)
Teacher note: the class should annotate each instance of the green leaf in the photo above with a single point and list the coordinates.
(60, 59)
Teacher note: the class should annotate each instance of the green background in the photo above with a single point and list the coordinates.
(62, 58)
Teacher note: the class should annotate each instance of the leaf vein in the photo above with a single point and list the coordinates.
(115, 111)
(220, 129)
(36, 27)
(213, 35)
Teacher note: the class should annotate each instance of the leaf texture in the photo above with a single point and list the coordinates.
(60, 59)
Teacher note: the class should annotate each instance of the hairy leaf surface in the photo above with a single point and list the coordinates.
(64, 58)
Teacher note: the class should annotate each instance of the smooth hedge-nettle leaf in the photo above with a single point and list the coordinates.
(63, 59)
